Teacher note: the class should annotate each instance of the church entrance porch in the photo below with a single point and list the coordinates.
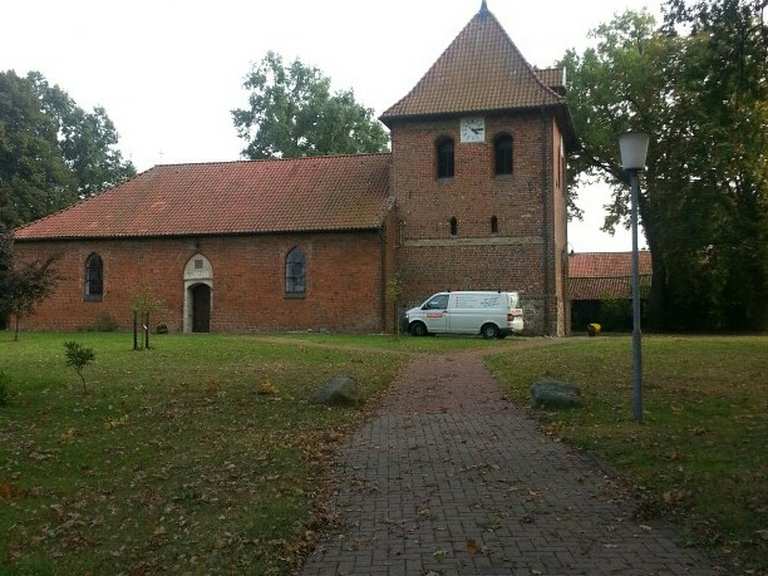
(198, 294)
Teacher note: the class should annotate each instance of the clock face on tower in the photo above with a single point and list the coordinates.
(472, 129)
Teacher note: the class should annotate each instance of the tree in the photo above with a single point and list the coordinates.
(640, 77)
(292, 113)
(78, 357)
(22, 286)
(88, 140)
(726, 82)
(394, 290)
(144, 305)
(52, 152)
(34, 179)
(5, 274)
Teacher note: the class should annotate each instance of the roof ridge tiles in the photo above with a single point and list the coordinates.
(262, 160)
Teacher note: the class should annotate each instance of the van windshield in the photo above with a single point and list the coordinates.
(439, 302)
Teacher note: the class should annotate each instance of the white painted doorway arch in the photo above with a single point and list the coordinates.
(197, 271)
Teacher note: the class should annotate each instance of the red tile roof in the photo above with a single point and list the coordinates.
(554, 78)
(306, 194)
(606, 264)
(606, 275)
(606, 288)
(482, 70)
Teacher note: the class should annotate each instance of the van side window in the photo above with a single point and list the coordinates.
(439, 302)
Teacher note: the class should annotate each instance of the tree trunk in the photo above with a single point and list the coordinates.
(655, 316)
(396, 320)
(656, 299)
(135, 330)
(16, 330)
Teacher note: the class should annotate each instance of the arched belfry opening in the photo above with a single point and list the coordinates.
(198, 294)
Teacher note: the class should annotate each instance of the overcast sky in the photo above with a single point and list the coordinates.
(169, 71)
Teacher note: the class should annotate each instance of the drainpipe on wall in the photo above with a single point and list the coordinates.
(545, 220)
(383, 240)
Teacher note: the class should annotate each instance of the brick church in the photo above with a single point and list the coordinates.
(472, 196)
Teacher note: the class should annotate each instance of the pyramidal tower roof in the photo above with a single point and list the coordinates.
(482, 70)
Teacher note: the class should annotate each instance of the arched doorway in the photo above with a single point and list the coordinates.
(201, 307)
(198, 294)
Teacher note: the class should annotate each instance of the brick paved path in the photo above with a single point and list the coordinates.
(450, 479)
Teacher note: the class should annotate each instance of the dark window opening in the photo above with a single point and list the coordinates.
(503, 149)
(454, 227)
(494, 225)
(94, 277)
(445, 158)
(295, 272)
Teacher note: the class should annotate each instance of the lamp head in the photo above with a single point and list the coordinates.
(634, 150)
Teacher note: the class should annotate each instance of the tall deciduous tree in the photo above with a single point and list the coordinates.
(34, 179)
(703, 198)
(52, 152)
(726, 83)
(293, 112)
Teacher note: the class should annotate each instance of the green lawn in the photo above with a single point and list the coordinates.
(172, 462)
(405, 343)
(702, 455)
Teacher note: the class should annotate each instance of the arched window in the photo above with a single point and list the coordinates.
(502, 146)
(454, 227)
(494, 225)
(94, 277)
(295, 272)
(444, 149)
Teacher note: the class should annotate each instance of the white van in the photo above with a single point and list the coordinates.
(490, 314)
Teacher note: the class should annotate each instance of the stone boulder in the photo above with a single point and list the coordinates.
(339, 391)
(549, 393)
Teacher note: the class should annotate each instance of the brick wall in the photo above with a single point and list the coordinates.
(344, 281)
(521, 256)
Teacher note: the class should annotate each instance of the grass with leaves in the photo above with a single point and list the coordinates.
(700, 457)
(201, 456)
(433, 344)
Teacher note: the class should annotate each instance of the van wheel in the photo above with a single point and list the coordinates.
(489, 331)
(418, 329)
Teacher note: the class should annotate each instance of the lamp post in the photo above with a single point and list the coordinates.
(634, 149)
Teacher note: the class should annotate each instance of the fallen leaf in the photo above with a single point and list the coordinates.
(472, 547)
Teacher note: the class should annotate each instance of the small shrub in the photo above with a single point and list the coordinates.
(594, 329)
(5, 392)
(162, 329)
(104, 323)
(78, 357)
